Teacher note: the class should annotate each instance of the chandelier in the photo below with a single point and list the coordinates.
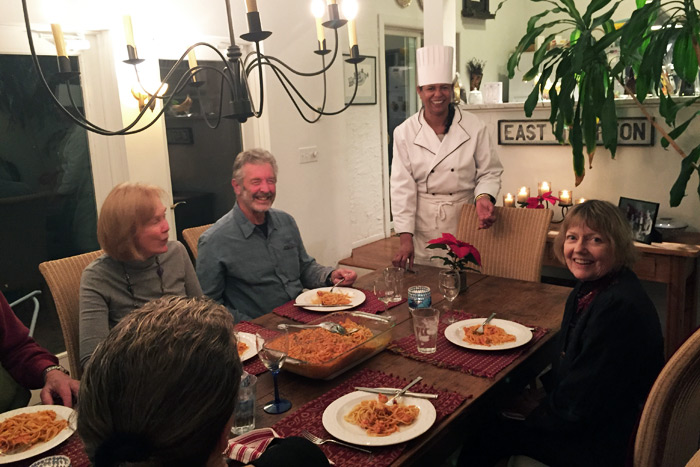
(234, 71)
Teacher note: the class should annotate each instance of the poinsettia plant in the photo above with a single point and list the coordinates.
(538, 202)
(459, 253)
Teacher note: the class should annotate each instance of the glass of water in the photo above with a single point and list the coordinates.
(384, 291)
(273, 353)
(448, 281)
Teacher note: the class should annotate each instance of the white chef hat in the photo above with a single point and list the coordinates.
(434, 64)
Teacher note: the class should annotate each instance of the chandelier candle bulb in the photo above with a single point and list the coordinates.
(508, 201)
(580, 200)
(565, 198)
(543, 187)
(192, 60)
(129, 31)
(523, 194)
(251, 5)
(59, 40)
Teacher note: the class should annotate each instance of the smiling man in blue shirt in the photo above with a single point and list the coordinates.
(253, 259)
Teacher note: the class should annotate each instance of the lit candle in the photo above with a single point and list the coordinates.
(542, 188)
(332, 2)
(580, 200)
(350, 12)
(251, 5)
(565, 198)
(129, 31)
(352, 33)
(508, 201)
(58, 39)
(319, 33)
(317, 9)
(523, 194)
(192, 60)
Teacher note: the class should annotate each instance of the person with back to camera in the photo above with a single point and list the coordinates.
(160, 391)
(442, 159)
(610, 351)
(139, 263)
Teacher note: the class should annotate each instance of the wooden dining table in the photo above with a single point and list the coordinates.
(530, 303)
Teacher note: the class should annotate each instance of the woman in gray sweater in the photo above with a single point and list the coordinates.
(139, 263)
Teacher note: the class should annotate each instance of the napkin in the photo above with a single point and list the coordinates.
(250, 446)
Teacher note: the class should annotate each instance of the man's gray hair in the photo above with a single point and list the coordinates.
(252, 156)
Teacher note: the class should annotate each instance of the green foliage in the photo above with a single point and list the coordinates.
(583, 67)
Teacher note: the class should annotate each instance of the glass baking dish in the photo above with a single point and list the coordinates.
(333, 365)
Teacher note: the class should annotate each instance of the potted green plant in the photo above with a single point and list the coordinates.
(583, 67)
(475, 69)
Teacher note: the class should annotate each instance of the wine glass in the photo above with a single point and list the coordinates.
(449, 288)
(273, 353)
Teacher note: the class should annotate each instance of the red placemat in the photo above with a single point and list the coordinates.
(309, 417)
(449, 355)
(371, 305)
(73, 448)
(254, 366)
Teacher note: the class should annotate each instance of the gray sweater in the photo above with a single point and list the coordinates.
(105, 298)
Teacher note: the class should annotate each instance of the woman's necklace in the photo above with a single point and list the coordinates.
(130, 286)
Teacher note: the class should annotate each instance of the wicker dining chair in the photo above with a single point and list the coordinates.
(63, 278)
(191, 237)
(669, 430)
(513, 246)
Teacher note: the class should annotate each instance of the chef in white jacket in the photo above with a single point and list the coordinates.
(443, 158)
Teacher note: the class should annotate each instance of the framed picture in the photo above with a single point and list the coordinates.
(366, 79)
(641, 215)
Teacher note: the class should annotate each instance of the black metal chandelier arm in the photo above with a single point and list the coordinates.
(294, 102)
(216, 124)
(261, 89)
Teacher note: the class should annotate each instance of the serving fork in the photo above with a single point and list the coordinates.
(316, 440)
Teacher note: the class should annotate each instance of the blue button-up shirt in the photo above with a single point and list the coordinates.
(251, 274)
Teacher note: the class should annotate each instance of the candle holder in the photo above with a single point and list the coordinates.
(564, 212)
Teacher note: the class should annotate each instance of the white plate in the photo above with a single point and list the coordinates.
(522, 334)
(249, 339)
(356, 298)
(336, 425)
(61, 411)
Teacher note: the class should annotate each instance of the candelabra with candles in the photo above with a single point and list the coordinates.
(542, 200)
(234, 74)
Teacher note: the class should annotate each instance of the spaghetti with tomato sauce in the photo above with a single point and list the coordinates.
(493, 335)
(379, 419)
(23, 431)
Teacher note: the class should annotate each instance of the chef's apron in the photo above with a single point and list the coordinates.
(436, 214)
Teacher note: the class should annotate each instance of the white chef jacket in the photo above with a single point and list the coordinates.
(432, 179)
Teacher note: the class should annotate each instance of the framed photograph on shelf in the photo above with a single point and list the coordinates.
(641, 216)
(366, 79)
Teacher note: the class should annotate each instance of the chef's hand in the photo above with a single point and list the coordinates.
(348, 274)
(485, 211)
(404, 257)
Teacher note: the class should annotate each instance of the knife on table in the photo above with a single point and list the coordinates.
(387, 391)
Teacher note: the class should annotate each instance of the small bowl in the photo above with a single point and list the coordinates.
(670, 225)
(53, 461)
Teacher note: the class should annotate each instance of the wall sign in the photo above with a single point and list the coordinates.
(637, 131)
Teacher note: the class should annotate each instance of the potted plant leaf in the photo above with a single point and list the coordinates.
(583, 68)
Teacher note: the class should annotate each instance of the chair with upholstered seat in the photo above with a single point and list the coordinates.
(191, 237)
(669, 430)
(63, 278)
(513, 247)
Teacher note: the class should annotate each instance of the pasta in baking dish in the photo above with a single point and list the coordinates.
(23, 431)
(493, 335)
(379, 419)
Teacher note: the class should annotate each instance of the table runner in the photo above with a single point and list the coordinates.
(371, 305)
(309, 417)
(73, 448)
(448, 355)
(254, 366)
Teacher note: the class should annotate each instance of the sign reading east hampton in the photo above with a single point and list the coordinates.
(637, 131)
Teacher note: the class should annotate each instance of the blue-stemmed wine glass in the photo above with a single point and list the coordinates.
(273, 353)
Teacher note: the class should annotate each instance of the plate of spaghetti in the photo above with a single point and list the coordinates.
(363, 418)
(29, 431)
(246, 345)
(322, 299)
(501, 334)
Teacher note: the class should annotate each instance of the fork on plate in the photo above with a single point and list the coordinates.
(316, 440)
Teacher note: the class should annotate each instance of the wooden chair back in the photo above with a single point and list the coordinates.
(191, 237)
(63, 278)
(513, 247)
(669, 430)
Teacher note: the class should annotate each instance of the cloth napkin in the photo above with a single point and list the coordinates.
(371, 305)
(448, 355)
(248, 447)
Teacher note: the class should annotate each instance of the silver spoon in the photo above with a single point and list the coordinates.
(480, 329)
(327, 325)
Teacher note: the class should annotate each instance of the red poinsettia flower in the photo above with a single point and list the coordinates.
(446, 239)
(548, 197)
(459, 253)
(534, 203)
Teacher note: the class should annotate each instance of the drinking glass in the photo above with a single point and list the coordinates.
(448, 281)
(273, 353)
(383, 291)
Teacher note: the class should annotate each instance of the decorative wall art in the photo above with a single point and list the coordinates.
(366, 78)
